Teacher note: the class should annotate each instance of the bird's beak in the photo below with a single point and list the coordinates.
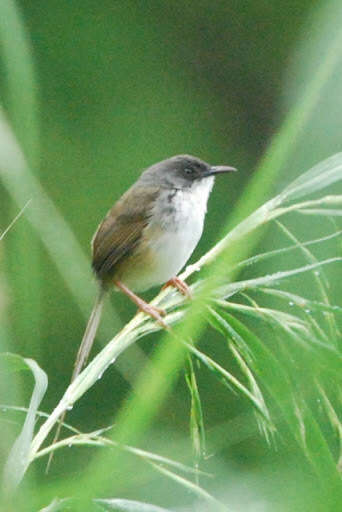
(220, 169)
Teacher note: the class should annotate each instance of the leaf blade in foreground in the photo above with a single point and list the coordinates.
(18, 459)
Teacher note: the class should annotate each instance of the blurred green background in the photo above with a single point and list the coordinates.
(105, 89)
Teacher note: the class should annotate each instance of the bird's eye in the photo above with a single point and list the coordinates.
(189, 171)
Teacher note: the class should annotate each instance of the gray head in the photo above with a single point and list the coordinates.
(181, 171)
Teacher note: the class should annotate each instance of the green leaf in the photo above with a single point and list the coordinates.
(12, 363)
(273, 316)
(320, 457)
(320, 354)
(297, 300)
(195, 489)
(128, 505)
(233, 288)
(229, 380)
(18, 459)
(276, 252)
(57, 505)
(319, 177)
(266, 366)
(322, 211)
(96, 439)
(197, 430)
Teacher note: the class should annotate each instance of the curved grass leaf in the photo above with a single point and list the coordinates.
(233, 288)
(297, 300)
(321, 211)
(334, 420)
(96, 439)
(238, 348)
(8, 407)
(197, 431)
(18, 459)
(56, 505)
(309, 257)
(277, 252)
(195, 489)
(229, 380)
(322, 175)
(267, 314)
(128, 505)
(319, 279)
(262, 361)
(321, 354)
(266, 427)
(321, 459)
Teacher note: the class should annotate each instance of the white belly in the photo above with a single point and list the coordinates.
(175, 229)
(173, 249)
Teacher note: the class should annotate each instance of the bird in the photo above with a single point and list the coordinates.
(147, 237)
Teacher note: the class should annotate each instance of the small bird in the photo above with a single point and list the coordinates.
(148, 236)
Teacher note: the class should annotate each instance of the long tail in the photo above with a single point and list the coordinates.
(89, 334)
(83, 353)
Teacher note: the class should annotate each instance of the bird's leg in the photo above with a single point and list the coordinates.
(153, 311)
(180, 285)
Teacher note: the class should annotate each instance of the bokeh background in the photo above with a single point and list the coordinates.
(97, 91)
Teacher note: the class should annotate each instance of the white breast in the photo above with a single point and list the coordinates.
(177, 220)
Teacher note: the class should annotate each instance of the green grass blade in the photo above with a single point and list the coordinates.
(277, 252)
(233, 288)
(322, 175)
(266, 314)
(128, 505)
(56, 505)
(230, 381)
(197, 431)
(196, 489)
(319, 279)
(320, 457)
(321, 211)
(18, 459)
(297, 300)
(96, 439)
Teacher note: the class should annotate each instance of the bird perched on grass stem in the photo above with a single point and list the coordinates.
(148, 236)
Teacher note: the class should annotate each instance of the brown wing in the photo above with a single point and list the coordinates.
(121, 229)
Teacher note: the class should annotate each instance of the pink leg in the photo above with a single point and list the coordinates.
(150, 310)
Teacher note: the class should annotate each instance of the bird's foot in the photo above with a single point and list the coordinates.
(181, 286)
(152, 311)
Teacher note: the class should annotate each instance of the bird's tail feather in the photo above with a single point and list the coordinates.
(83, 353)
(89, 334)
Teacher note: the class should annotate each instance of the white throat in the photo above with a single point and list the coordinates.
(201, 190)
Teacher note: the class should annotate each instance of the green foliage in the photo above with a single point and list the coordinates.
(18, 459)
